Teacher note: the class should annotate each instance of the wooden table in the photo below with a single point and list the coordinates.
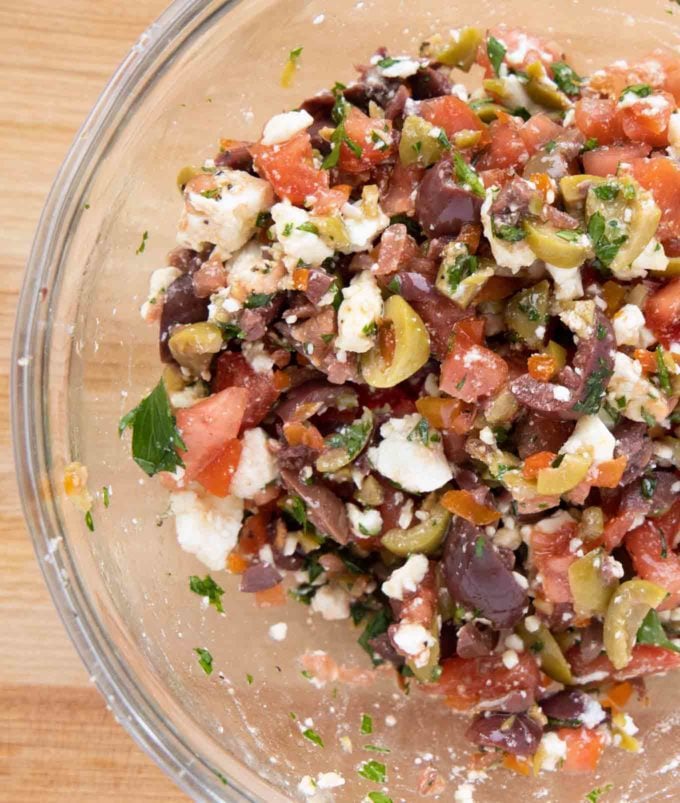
(57, 740)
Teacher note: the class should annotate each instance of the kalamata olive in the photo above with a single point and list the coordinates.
(324, 509)
(517, 734)
(429, 83)
(314, 398)
(475, 641)
(572, 708)
(477, 576)
(320, 107)
(259, 577)
(591, 645)
(442, 207)
(236, 156)
(180, 307)
(633, 443)
(536, 433)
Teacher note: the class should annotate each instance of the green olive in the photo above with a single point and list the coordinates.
(673, 268)
(526, 311)
(417, 144)
(630, 218)
(186, 174)
(461, 274)
(544, 91)
(332, 231)
(543, 644)
(502, 408)
(345, 444)
(173, 379)
(591, 594)
(571, 471)
(627, 608)
(550, 245)
(193, 346)
(467, 138)
(574, 190)
(371, 492)
(411, 347)
(460, 50)
(591, 525)
(425, 537)
(431, 671)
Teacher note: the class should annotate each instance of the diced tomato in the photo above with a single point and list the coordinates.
(399, 198)
(647, 121)
(507, 148)
(538, 130)
(661, 176)
(598, 118)
(216, 477)
(253, 534)
(208, 425)
(396, 248)
(606, 161)
(662, 312)
(535, 462)
(584, 748)
(660, 69)
(329, 201)
(669, 524)
(654, 560)
(233, 370)
(648, 659)
(471, 371)
(396, 398)
(522, 49)
(367, 133)
(289, 168)
(551, 557)
(468, 681)
(450, 113)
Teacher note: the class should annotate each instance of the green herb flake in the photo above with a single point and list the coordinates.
(641, 90)
(205, 660)
(256, 300)
(379, 797)
(155, 436)
(496, 51)
(467, 175)
(375, 748)
(388, 61)
(295, 507)
(651, 632)
(536, 646)
(212, 194)
(313, 737)
(351, 437)
(443, 140)
(142, 246)
(461, 383)
(420, 433)
(366, 724)
(249, 679)
(647, 417)
(590, 144)
(601, 332)
(263, 219)
(339, 135)
(370, 329)
(594, 389)
(394, 286)
(89, 521)
(287, 230)
(511, 234)
(557, 462)
(662, 372)
(595, 794)
(550, 146)
(377, 625)
(480, 546)
(607, 191)
(207, 587)
(309, 227)
(373, 771)
(648, 486)
(295, 53)
(569, 235)
(461, 268)
(566, 78)
(106, 495)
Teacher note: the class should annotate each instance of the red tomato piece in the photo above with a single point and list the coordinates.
(654, 560)
(661, 176)
(648, 119)
(584, 749)
(662, 312)
(471, 371)
(216, 477)
(396, 249)
(289, 168)
(647, 659)
(329, 201)
(396, 399)
(660, 69)
(208, 425)
(468, 681)
(367, 133)
(507, 148)
(538, 130)
(522, 49)
(450, 113)
(605, 161)
(597, 118)
(552, 558)
(233, 370)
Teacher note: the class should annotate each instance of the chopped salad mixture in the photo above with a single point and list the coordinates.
(422, 370)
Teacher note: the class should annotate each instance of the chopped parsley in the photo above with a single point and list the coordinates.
(443, 140)
(648, 486)
(373, 771)
(463, 266)
(249, 679)
(394, 286)
(536, 646)
(374, 748)
(511, 234)
(207, 587)
(205, 660)
(594, 389)
(295, 53)
(366, 724)
(295, 507)
(339, 135)
(421, 433)
(352, 437)
(651, 632)
(662, 372)
(89, 521)
(496, 51)
(601, 332)
(557, 462)
(213, 193)
(590, 144)
(379, 797)
(607, 191)
(106, 495)
(606, 249)
(256, 300)
(647, 417)
(550, 146)
(263, 220)
(142, 246)
(313, 737)
(388, 61)
(377, 625)
(480, 546)
(287, 230)
(468, 175)
(641, 90)
(308, 227)
(369, 330)
(566, 78)
(569, 235)
(155, 436)
(595, 794)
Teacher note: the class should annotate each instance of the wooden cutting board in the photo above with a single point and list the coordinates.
(58, 741)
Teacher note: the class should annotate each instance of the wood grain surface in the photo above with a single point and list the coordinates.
(58, 742)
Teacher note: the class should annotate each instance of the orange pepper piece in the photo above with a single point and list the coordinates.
(281, 380)
(463, 504)
(271, 597)
(516, 764)
(216, 477)
(439, 411)
(613, 293)
(618, 696)
(496, 289)
(535, 462)
(299, 433)
(584, 749)
(542, 181)
(647, 360)
(542, 367)
(253, 533)
(300, 278)
(608, 473)
(236, 563)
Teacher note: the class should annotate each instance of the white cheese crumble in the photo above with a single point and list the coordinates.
(629, 392)
(189, 395)
(415, 641)
(579, 316)
(399, 66)
(332, 602)
(256, 356)
(159, 281)
(552, 751)
(257, 466)
(510, 659)
(568, 284)
(513, 256)
(278, 632)
(298, 244)
(283, 127)
(361, 306)
(364, 220)
(593, 713)
(653, 257)
(415, 466)
(591, 438)
(207, 527)
(629, 328)
(251, 271)
(406, 578)
(365, 523)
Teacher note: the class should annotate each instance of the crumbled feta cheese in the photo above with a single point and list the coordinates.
(405, 514)
(514, 642)
(223, 307)
(626, 724)
(630, 329)
(593, 713)
(486, 436)
(590, 437)
(364, 220)
(361, 306)
(257, 466)
(510, 659)
(256, 356)
(406, 578)
(415, 466)
(159, 281)
(283, 127)
(279, 631)
(400, 67)
(329, 780)
(207, 527)
(653, 257)
(464, 793)
(513, 256)
(227, 221)
(561, 393)
(532, 624)
(579, 316)
(552, 751)
(332, 602)
(568, 284)
(415, 641)
(629, 391)
(555, 522)
(298, 244)
(189, 395)
(252, 271)
(365, 523)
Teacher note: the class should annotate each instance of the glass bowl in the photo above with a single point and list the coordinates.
(83, 357)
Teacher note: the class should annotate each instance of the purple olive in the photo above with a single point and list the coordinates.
(442, 207)
(324, 508)
(181, 306)
(475, 641)
(571, 709)
(259, 577)
(517, 734)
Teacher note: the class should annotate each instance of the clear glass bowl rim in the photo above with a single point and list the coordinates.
(31, 437)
